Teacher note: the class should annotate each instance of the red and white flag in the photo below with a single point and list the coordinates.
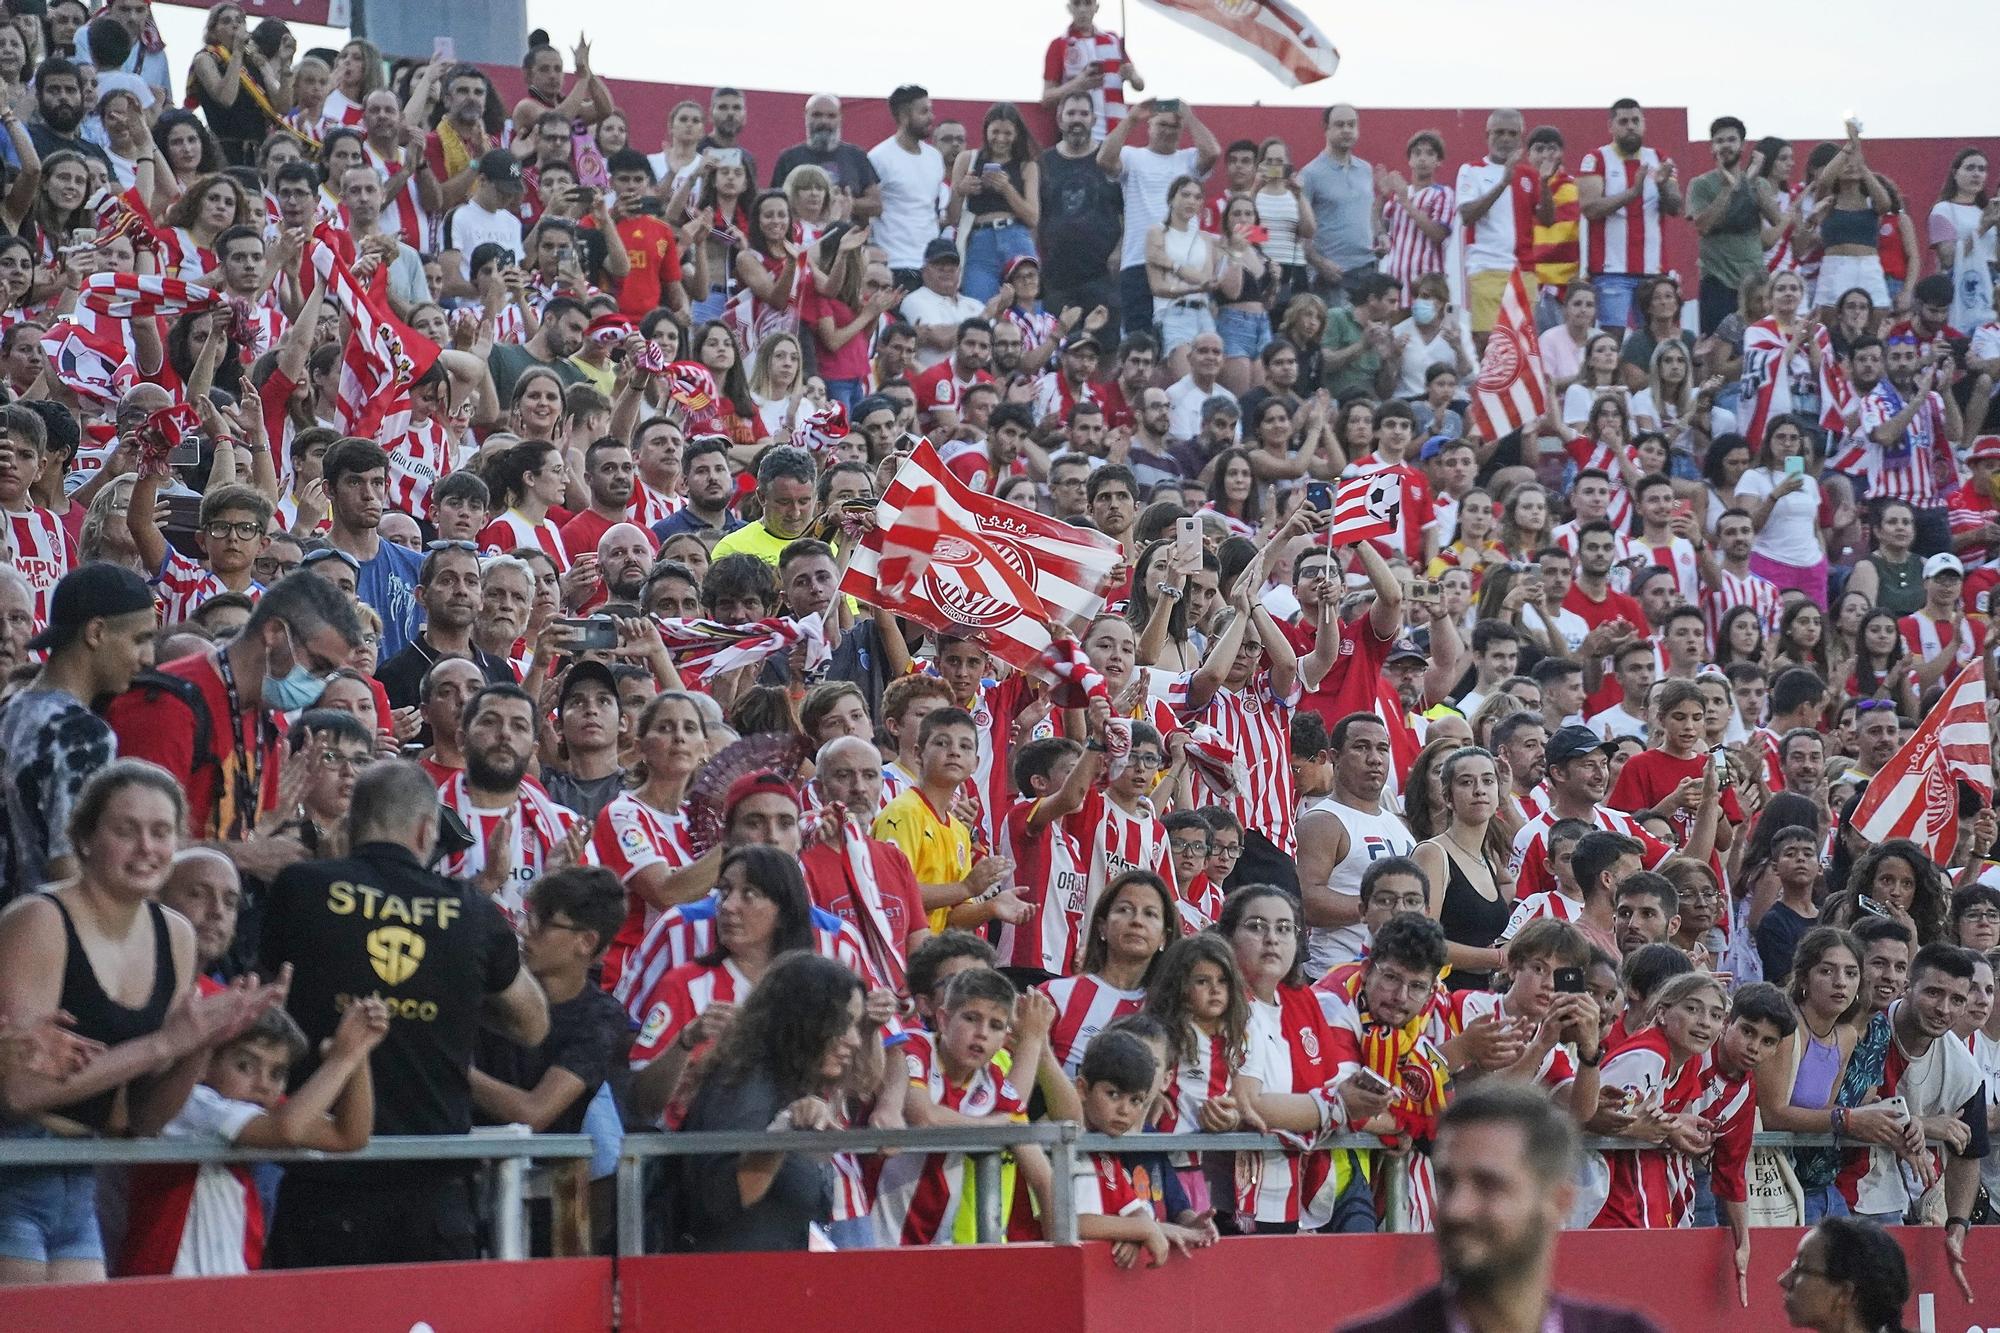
(1511, 390)
(89, 362)
(1366, 507)
(129, 295)
(950, 557)
(1274, 33)
(1915, 794)
(384, 356)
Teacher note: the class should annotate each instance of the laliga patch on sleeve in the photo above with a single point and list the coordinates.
(656, 1023)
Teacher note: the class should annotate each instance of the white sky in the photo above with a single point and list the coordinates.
(1927, 74)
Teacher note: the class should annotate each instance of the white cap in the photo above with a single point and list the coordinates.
(1941, 563)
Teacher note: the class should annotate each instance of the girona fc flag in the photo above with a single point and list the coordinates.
(1510, 391)
(1915, 794)
(951, 558)
(1274, 33)
(1366, 507)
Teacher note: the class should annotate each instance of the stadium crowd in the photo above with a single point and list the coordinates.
(502, 738)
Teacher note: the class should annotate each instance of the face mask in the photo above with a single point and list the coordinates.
(296, 689)
(1423, 310)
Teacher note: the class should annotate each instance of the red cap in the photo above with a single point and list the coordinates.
(761, 783)
(1985, 449)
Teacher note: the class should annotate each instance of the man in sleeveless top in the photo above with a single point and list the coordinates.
(1340, 835)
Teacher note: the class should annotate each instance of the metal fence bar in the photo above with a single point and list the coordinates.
(510, 1217)
(398, 1148)
(1062, 1195)
(986, 1181)
(631, 1182)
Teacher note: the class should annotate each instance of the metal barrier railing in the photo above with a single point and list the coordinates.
(510, 1153)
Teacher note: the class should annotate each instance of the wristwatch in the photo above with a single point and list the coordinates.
(1094, 747)
(1593, 1062)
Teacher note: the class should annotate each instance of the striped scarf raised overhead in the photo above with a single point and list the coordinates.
(132, 295)
(704, 649)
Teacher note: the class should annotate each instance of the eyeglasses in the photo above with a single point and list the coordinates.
(1228, 850)
(270, 567)
(1187, 848)
(1258, 926)
(346, 763)
(443, 544)
(1067, 483)
(248, 532)
(1146, 758)
(1980, 916)
(370, 640)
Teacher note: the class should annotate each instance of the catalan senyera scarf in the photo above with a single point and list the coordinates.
(1403, 1057)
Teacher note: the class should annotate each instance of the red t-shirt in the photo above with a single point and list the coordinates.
(1614, 605)
(161, 730)
(1651, 776)
(831, 885)
(655, 255)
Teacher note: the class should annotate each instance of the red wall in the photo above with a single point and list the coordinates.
(1292, 1284)
(777, 120)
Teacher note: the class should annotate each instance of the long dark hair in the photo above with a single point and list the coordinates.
(1867, 679)
(778, 878)
(1861, 1255)
(1724, 654)
(1252, 510)
(1166, 997)
(1815, 657)
(734, 384)
(788, 1023)
(507, 472)
(1950, 186)
(1097, 950)
(1024, 142)
(1928, 904)
(1139, 605)
(1813, 946)
(1770, 146)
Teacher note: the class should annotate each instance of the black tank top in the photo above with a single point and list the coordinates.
(102, 1018)
(989, 200)
(1470, 918)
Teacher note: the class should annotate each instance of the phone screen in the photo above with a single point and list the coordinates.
(1795, 466)
(1319, 495)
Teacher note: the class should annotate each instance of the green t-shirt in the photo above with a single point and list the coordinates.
(1734, 246)
(1357, 376)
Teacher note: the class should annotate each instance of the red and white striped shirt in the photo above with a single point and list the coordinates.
(1678, 555)
(917, 1198)
(1730, 1104)
(681, 934)
(650, 506)
(1202, 1079)
(629, 836)
(683, 995)
(1257, 724)
(1641, 1194)
(1921, 637)
(1411, 253)
(542, 824)
(1733, 590)
(1115, 840)
(419, 458)
(42, 553)
(181, 586)
(1551, 903)
(1920, 467)
(1530, 862)
(1626, 241)
(181, 256)
(993, 714)
(1076, 53)
(1084, 1004)
(403, 216)
(513, 529)
(1590, 453)
(1050, 872)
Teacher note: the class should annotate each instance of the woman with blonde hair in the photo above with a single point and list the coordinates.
(1471, 887)
(778, 384)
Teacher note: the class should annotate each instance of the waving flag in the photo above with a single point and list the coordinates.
(949, 558)
(1915, 794)
(1510, 391)
(1767, 381)
(1275, 34)
(384, 356)
(704, 649)
(89, 362)
(130, 295)
(1366, 507)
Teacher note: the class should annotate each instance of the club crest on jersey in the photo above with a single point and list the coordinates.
(1309, 1043)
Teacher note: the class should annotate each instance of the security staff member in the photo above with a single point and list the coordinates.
(377, 922)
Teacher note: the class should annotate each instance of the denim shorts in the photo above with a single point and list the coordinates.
(48, 1214)
(1245, 333)
(1180, 324)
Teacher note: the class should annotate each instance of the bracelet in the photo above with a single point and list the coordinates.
(1839, 1119)
(1951, 1222)
(1094, 747)
(1593, 1062)
(1168, 591)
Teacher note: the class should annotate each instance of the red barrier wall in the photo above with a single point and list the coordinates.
(1291, 1284)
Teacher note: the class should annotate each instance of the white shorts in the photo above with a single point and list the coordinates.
(1840, 273)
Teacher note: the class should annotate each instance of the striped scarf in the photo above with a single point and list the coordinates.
(704, 649)
(1404, 1057)
(131, 295)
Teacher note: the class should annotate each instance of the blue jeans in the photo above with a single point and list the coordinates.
(1135, 300)
(47, 1214)
(1245, 333)
(847, 393)
(856, 1233)
(1824, 1203)
(1704, 1200)
(1614, 298)
(987, 251)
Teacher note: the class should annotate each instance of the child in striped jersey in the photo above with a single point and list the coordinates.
(1199, 998)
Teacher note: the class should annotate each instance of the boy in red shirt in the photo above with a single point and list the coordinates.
(1674, 781)
(1049, 863)
(1116, 1084)
(207, 1220)
(1760, 1017)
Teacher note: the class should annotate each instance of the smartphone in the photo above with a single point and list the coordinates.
(1872, 906)
(1187, 543)
(1257, 235)
(591, 633)
(1170, 105)
(1569, 981)
(1319, 495)
(1795, 466)
(1271, 171)
(728, 157)
(1372, 1081)
(187, 453)
(443, 48)
(1683, 509)
(82, 238)
(992, 169)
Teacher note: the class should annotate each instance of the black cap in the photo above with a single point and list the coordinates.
(501, 167)
(1406, 648)
(941, 249)
(1572, 741)
(93, 592)
(582, 672)
(1080, 339)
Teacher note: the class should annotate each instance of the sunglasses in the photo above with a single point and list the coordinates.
(443, 544)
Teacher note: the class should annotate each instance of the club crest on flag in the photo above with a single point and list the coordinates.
(951, 580)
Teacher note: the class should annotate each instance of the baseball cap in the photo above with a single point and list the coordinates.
(501, 168)
(1571, 741)
(941, 250)
(1082, 338)
(1944, 562)
(93, 592)
(1406, 648)
(1016, 262)
(582, 672)
(1985, 449)
(761, 783)
(1433, 447)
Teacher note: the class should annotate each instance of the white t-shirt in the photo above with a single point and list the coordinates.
(469, 226)
(910, 184)
(1420, 355)
(1614, 722)
(924, 306)
(1791, 536)
(1572, 627)
(1184, 400)
(1145, 176)
(1949, 222)
(1577, 399)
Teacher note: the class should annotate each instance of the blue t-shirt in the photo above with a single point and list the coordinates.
(389, 584)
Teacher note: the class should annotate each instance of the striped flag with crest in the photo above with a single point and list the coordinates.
(1511, 390)
(1915, 794)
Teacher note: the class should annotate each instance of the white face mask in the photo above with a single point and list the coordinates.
(1424, 310)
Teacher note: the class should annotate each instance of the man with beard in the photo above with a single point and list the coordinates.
(1877, 734)
(911, 173)
(517, 828)
(507, 601)
(362, 198)
(610, 474)
(847, 166)
(1505, 1161)
(448, 591)
(558, 339)
(59, 110)
(710, 486)
(1081, 215)
(883, 891)
(1147, 448)
(587, 726)
(727, 114)
(786, 478)
(1904, 446)
(1729, 208)
(1521, 742)
(455, 147)
(1579, 775)
(624, 555)
(356, 473)
(1341, 835)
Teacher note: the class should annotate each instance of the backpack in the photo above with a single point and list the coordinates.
(153, 684)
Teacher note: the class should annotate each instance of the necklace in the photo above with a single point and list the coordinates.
(1479, 852)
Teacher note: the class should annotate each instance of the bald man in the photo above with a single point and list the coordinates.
(847, 166)
(1500, 198)
(203, 886)
(848, 774)
(624, 554)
